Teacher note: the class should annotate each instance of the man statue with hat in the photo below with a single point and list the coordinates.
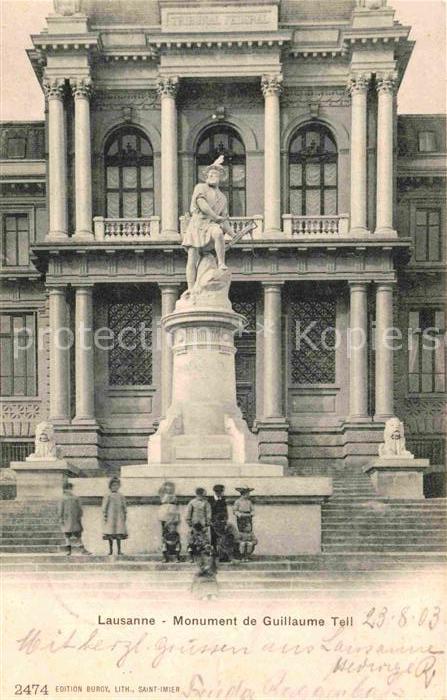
(208, 222)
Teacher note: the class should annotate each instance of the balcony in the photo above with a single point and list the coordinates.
(132, 230)
(315, 226)
(128, 230)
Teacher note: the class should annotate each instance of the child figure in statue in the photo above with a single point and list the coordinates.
(169, 517)
(114, 512)
(197, 541)
(243, 509)
(171, 546)
(70, 514)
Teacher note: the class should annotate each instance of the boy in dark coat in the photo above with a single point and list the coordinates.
(70, 515)
(219, 520)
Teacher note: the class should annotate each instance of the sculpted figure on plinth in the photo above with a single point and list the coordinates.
(207, 224)
(204, 239)
(45, 443)
(393, 444)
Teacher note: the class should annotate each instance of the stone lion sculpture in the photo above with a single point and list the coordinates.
(393, 444)
(45, 443)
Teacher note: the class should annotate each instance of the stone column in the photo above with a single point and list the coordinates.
(384, 405)
(385, 115)
(60, 343)
(169, 295)
(83, 161)
(57, 159)
(272, 352)
(359, 93)
(271, 88)
(167, 89)
(84, 356)
(358, 352)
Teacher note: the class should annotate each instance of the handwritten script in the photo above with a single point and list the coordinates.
(366, 662)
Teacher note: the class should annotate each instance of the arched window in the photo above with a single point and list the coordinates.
(223, 140)
(313, 172)
(129, 164)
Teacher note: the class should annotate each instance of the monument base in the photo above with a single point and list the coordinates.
(41, 480)
(398, 477)
(287, 517)
(197, 469)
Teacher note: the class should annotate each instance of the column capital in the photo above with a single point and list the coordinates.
(81, 87)
(358, 83)
(273, 286)
(386, 82)
(358, 286)
(271, 84)
(169, 286)
(54, 88)
(167, 86)
(389, 285)
(84, 288)
(56, 289)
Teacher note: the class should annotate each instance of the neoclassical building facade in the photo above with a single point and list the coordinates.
(349, 205)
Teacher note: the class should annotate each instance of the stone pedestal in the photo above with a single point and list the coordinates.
(203, 428)
(398, 477)
(41, 480)
(287, 517)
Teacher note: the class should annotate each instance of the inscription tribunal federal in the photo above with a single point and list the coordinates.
(226, 19)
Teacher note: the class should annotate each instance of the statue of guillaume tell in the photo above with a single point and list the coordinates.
(207, 225)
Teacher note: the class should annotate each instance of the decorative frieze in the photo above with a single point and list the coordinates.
(144, 100)
(321, 96)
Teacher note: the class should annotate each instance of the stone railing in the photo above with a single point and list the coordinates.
(237, 224)
(315, 226)
(126, 229)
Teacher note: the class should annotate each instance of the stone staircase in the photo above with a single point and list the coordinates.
(367, 541)
(355, 519)
(305, 577)
(30, 527)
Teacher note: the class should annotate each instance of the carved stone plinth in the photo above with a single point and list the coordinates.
(287, 509)
(203, 423)
(41, 480)
(398, 477)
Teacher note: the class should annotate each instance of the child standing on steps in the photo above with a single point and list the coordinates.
(70, 514)
(115, 514)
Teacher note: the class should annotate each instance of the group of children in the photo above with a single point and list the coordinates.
(209, 525)
(211, 535)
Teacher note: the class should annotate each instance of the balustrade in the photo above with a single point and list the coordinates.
(126, 229)
(315, 225)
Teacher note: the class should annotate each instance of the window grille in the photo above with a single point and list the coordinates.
(312, 341)
(130, 357)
